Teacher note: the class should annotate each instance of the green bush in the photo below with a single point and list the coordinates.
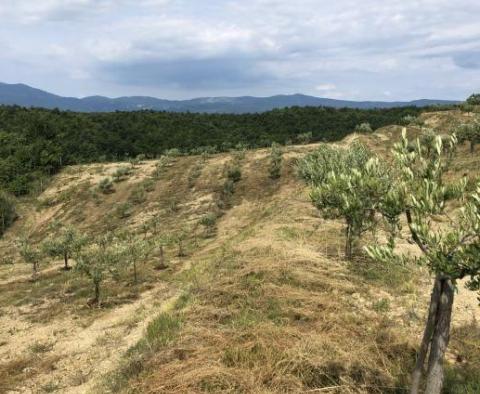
(123, 210)
(276, 160)
(363, 128)
(121, 174)
(174, 152)
(304, 138)
(8, 213)
(106, 186)
(234, 173)
(138, 195)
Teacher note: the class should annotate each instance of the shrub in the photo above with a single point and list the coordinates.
(209, 221)
(363, 128)
(148, 185)
(234, 173)
(138, 195)
(106, 186)
(409, 120)
(304, 138)
(276, 159)
(194, 174)
(174, 152)
(123, 210)
(8, 213)
(121, 174)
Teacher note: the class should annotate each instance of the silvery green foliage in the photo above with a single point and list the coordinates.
(449, 241)
(469, 132)
(65, 241)
(351, 184)
(100, 259)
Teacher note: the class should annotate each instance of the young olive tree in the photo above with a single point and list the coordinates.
(30, 254)
(470, 133)
(64, 243)
(134, 251)
(347, 184)
(98, 261)
(449, 245)
(276, 159)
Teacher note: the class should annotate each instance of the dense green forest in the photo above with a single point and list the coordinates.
(36, 143)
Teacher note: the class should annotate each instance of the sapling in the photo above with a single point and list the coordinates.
(99, 260)
(347, 184)
(64, 243)
(30, 254)
(134, 250)
(470, 133)
(443, 219)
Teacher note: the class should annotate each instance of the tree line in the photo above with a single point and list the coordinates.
(36, 143)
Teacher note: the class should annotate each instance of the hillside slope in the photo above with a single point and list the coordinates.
(262, 302)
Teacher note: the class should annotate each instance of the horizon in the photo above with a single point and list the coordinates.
(227, 97)
(182, 49)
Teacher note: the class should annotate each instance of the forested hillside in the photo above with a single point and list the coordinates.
(35, 143)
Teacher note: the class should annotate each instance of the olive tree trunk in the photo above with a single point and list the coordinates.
(96, 299)
(427, 337)
(66, 267)
(348, 241)
(440, 339)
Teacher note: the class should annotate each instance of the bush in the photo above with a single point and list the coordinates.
(234, 173)
(121, 174)
(304, 138)
(148, 185)
(276, 159)
(8, 213)
(410, 120)
(173, 152)
(363, 128)
(123, 210)
(209, 221)
(138, 195)
(106, 186)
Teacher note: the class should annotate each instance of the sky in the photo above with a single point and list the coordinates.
(345, 49)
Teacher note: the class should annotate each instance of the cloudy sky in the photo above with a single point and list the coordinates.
(370, 49)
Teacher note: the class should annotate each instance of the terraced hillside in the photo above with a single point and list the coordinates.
(255, 296)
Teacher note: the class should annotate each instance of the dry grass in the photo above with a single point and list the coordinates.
(268, 303)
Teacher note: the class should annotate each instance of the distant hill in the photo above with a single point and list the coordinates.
(26, 96)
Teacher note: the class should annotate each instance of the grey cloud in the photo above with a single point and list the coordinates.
(468, 60)
(213, 73)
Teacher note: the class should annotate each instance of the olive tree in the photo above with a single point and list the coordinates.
(99, 260)
(469, 132)
(64, 243)
(347, 184)
(448, 239)
(30, 254)
(134, 251)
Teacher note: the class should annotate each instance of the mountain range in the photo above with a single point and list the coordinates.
(27, 96)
